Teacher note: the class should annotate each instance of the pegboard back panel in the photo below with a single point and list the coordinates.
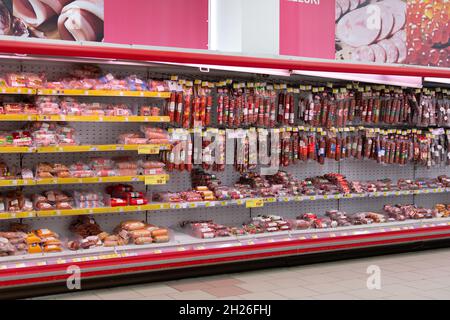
(370, 170)
(57, 70)
(430, 200)
(231, 216)
(293, 209)
(303, 170)
(30, 160)
(433, 172)
(372, 204)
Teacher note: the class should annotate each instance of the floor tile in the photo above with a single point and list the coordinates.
(262, 295)
(227, 291)
(325, 278)
(295, 293)
(289, 282)
(223, 282)
(192, 295)
(368, 294)
(436, 294)
(258, 286)
(118, 294)
(335, 296)
(427, 284)
(189, 285)
(327, 288)
(356, 283)
(153, 289)
(157, 297)
(417, 276)
(407, 297)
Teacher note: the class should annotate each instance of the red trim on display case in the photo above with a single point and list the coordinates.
(212, 256)
(103, 51)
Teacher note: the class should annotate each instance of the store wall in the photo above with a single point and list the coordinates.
(244, 26)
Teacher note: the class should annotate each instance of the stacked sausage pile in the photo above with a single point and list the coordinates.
(374, 31)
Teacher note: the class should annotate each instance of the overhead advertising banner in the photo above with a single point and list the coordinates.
(368, 31)
(428, 32)
(174, 23)
(170, 23)
(307, 28)
(393, 31)
(73, 20)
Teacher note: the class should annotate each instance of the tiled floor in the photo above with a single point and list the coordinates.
(421, 275)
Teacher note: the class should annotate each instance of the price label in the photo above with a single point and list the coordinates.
(155, 180)
(151, 149)
(254, 203)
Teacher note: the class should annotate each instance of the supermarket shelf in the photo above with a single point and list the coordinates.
(102, 93)
(29, 91)
(76, 212)
(17, 117)
(17, 150)
(140, 148)
(249, 203)
(148, 179)
(102, 118)
(17, 182)
(64, 118)
(93, 93)
(17, 215)
(90, 180)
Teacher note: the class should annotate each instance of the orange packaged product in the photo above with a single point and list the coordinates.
(161, 239)
(131, 225)
(34, 243)
(52, 241)
(52, 248)
(143, 240)
(45, 233)
(34, 248)
(33, 238)
(160, 232)
(140, 233)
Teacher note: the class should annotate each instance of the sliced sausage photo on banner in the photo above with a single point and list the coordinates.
(72, 20)
(428, 33)
(371, 31)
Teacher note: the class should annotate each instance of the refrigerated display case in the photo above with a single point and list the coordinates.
(329, 205)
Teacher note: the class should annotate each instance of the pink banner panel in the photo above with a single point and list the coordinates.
(307, 28)
(169, 23)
